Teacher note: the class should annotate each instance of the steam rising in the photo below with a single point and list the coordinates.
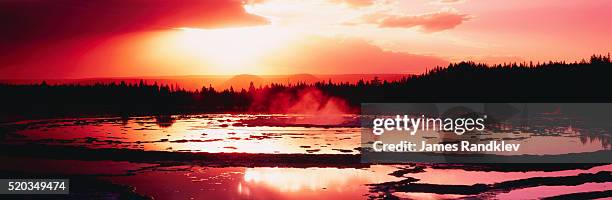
(317, 107)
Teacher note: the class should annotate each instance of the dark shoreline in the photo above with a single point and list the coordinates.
(411, 185)
(252, 159)
(97, 186)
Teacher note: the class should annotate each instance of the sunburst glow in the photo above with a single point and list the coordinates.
(232, 50)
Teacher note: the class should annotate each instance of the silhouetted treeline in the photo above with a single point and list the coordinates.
(585, 81)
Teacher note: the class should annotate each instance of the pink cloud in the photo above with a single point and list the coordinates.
(432, 22)
(448, 1)
(37, 35)
(35, 20)
(355, 3)
(323, 55)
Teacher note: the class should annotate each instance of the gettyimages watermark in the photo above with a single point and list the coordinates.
(486, 132)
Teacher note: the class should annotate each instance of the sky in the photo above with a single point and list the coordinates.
(121, 38)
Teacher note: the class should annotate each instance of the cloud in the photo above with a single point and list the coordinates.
(331, 55)
(48, 38)
(25, 20)
(355, 3)
(448, 1)
(431, 22)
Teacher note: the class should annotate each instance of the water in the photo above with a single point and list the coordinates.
(275, 134)
(293, 134)
(325, 183)
(199, 133)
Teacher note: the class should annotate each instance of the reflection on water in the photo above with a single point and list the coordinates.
(429, 196)
(265, 134)
(548, 191)
(201, 133)
(185, 182)
(257, 183)
(314, 179)
(463, 177)
(164, 121)
(283, 134)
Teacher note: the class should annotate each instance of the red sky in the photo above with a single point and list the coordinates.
(116, 38)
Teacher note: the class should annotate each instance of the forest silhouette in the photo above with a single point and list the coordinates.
(584, 81)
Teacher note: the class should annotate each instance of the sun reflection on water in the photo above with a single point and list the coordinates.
(302, 179)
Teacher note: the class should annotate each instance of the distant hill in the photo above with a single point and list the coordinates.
(302, 78)
(243, 81)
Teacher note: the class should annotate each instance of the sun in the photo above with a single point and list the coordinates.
(232, 50)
